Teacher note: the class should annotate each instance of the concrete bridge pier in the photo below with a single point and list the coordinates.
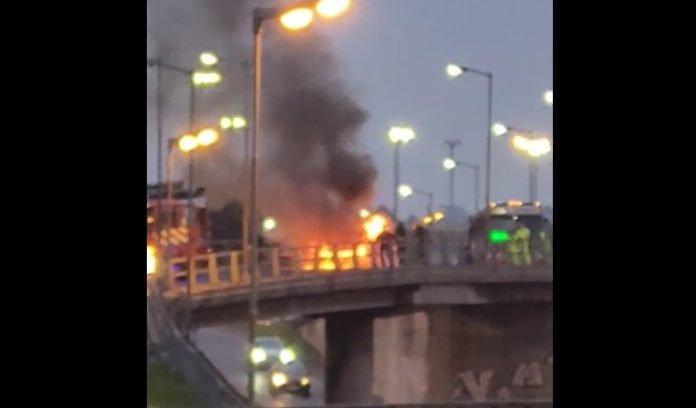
(349, 357)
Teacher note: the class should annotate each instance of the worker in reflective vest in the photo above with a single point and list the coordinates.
(519, 246)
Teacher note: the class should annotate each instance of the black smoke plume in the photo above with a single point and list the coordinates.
(314, 176)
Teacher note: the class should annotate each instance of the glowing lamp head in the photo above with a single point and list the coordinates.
(297, 18)
(499, 129)
(332, 8)
(548, 98)
(208, 59)
(239, 122)
(225, 122)
(438, 216)
(405, 190)
(187, 143)
(206, 78)
(539, 147)
(206, 137)
(449, 164)
(453, 70)
(269, 224)
(401, 134)
(364, 213)
(520, 142)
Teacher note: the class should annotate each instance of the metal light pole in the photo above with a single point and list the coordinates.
(456, 70)
(452, 143)
(475, 168)
(399, 135)
(191, 247)
(533, 178)
(258, 18)
(160, 192)
(160, 65)
(489, 136)
(291, 17)
(397, 178)
(534, 147)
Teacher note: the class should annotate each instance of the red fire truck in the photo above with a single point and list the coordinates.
(171, 216)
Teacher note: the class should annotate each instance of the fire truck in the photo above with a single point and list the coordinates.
(492, 227)
(171, 217)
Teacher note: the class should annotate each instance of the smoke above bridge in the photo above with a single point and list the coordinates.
(314, 177)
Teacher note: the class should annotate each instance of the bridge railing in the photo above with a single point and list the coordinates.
(223, 270)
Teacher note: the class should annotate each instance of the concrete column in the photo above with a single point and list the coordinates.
(400, 360)
(439, 355)
(349, 357)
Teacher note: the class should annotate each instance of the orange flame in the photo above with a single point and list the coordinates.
(345, 258)
(326, 258)
(374, 225)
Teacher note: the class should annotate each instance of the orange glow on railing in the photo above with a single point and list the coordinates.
(330, 259)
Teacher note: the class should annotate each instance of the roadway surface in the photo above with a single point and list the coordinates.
(225, 348)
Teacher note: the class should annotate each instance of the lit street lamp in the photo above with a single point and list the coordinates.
(206, 77)
(452, 144)
(160, 65)
(399, 135)
(454, 71)
(237, 123)
(534, 146)
(548, 98)
(188, 143)
(269, 224)
(406, 191)
(208, 59)
(450, 164)
(292, 17)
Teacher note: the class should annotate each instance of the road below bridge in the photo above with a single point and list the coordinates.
(225, 348)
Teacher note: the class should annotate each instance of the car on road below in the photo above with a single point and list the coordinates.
(289, 378)
(269, 350)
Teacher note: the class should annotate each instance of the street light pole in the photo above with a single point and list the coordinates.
(456, 70)
(489, 137)
(475, 168)
(397, 178)
(452, 143)
(160, 192)
(293, 18)
(191, 248)
(258, 18)
(533, 178)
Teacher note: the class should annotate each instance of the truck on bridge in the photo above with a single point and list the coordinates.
(490, 228)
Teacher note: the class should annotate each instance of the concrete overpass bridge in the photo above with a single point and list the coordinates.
(429, 329)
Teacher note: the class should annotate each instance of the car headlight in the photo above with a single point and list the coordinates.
(279, 379)
(304, 381)
(287, 356)
(258, 355)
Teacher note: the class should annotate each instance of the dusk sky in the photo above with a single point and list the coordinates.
(394, 53)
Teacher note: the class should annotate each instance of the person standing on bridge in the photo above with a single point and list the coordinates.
(519, 247)
(401, 242)
(386, 241)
